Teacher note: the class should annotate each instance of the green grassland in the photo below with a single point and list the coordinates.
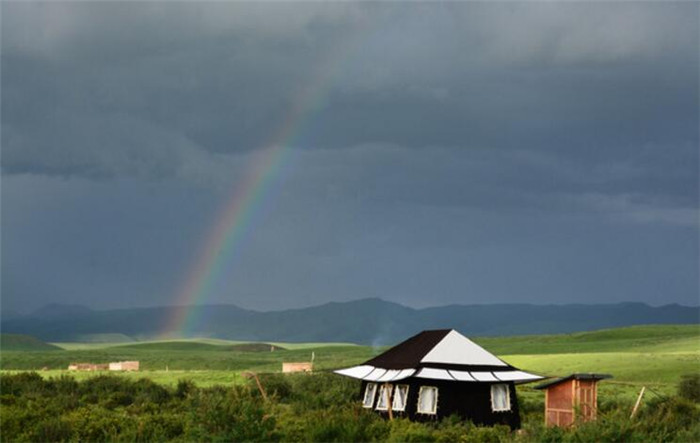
(73, 346)
(177, 395)
(653, 355)
(19, 342)
(652, 338)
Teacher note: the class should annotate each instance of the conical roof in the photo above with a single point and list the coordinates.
(442, 354)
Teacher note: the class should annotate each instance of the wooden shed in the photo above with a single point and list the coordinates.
(571, 399)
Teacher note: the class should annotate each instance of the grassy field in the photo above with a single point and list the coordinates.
(19, 342)
(175, 395)
(641, 355)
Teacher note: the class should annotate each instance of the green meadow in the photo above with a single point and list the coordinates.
(640, 355)
(192, 390)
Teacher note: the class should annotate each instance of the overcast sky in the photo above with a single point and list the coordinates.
(441, 153)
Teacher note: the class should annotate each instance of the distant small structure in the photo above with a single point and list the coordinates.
(124, 366)
(115, 366)
(297, 367)
(88, 367)
(571, 399)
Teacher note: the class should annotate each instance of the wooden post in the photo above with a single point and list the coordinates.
(388, 401)
(639, 400)
(257, 382)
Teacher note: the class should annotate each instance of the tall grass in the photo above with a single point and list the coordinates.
(320, 407)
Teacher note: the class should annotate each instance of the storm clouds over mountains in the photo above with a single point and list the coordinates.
(438, 152)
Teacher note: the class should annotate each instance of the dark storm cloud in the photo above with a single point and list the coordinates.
(220, 78)
(444, 146)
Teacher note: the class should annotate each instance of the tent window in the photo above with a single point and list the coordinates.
(383, 401)
(500, 398)
(370, 390)
(400, 397)
(427, 400)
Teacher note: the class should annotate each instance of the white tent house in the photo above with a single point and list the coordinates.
(439, 373)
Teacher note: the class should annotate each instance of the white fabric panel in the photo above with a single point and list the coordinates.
(462, 375)
(484, 376)
(370, 373)
(404, 373)
(370, 390)
(356, 371)
(383, 400)
(375, 375)
(400, 397)
(517, 376)
(389, 375)
(434, 374)
(457, 349)
(427, 400)
(500, 397)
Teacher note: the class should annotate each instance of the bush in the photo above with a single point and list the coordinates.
(404, 430)
(51, 429)
(95, 423)
(184, 389)
(219, 414)
(319, 407)
(689, 387)
(455, 429)
(277, 386)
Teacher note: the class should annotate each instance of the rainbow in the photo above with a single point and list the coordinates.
(235, 219)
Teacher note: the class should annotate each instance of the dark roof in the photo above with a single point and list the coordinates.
(409, 353)
(576, 376)
(442, 354)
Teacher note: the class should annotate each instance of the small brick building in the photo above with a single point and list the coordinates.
(297, 367)
(571, 399)
(124, 366)
(88, 367)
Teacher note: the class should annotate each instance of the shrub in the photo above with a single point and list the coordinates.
(277, 386)
(94, 423)
(50, 429)
(147, 391)
(14, 421)
(22, 383)
(665, 417)
(164, 426)
(302, 407)
(343, 424)
(455, 429)
(689, 387)
(404, 430)
(184, 389)
(322, 391)
(218, 414)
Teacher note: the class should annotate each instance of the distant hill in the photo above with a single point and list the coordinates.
(19, 342)
(55, 310)
(368, 321)
(656, 338)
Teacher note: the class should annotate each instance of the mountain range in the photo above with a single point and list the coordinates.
(367, 321)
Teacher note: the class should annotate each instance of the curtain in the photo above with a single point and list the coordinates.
(427, 399)
(400, 394)
(500, 398)
(369, 395)
(383, 394)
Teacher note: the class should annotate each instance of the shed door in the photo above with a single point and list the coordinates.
(587, 401)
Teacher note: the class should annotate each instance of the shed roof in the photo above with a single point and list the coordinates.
(575, 376)
(442, 354)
